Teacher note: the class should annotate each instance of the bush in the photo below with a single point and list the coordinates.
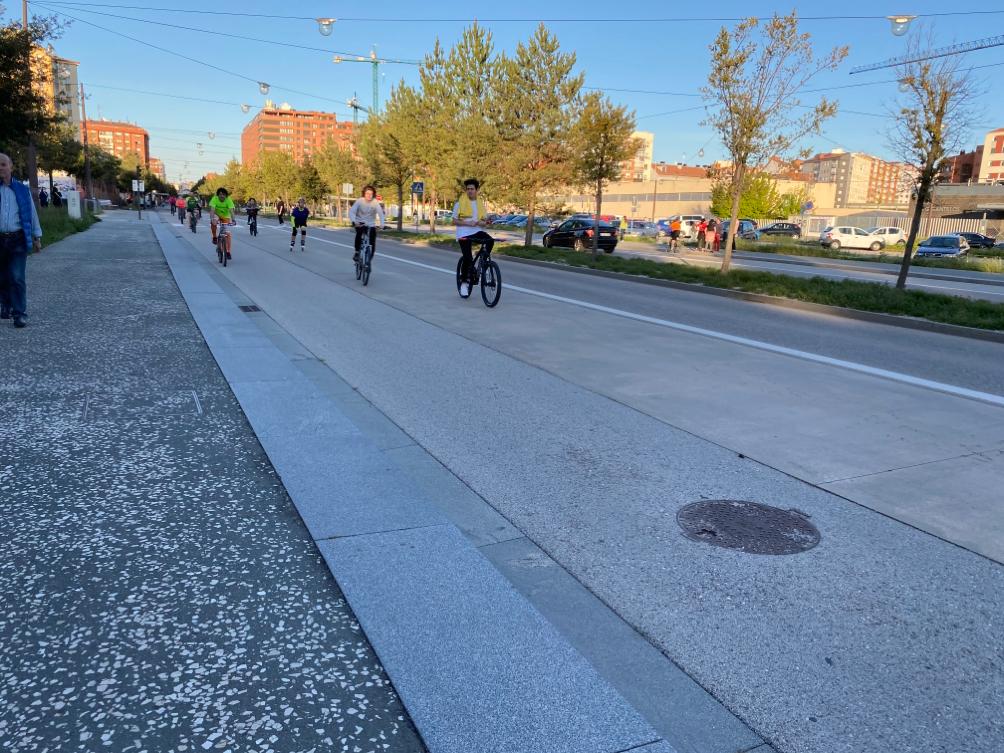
(57, 224)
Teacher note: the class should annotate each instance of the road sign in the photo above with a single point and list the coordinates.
(807, 207)
(347, 189)
(137, 185)
(418, 187)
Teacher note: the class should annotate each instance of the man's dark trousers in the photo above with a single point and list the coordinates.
(13, 260)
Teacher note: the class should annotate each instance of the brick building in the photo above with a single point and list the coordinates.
(120, 139)
(299, 133)
(963, 167)
(157, 168)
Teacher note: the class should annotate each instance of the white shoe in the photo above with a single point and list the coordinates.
(465, 290)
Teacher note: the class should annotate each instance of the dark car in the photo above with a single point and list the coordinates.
(785, 229)
(747, 230)
(577, 233)
(978, 240)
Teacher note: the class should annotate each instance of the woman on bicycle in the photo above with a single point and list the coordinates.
(469, 215)
(366, 215)
(222, 209)
(298, 219)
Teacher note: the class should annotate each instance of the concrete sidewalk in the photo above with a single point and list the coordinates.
(158, 590)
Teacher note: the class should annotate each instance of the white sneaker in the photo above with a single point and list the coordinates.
(465, 290)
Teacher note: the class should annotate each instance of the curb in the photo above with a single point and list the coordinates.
(893, 320)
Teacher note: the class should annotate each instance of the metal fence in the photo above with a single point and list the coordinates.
(928, 225)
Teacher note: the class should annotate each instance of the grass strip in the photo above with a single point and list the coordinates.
(853, 294)
(57, 224)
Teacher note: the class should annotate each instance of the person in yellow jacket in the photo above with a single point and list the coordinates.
(469, 215)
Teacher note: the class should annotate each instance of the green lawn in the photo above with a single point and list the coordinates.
(56, 223)
(853, 294)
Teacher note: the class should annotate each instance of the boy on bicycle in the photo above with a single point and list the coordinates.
(298, 219)
(252, 212)
(366, 215)
(222, 209)
(193, 205)
(469, 215)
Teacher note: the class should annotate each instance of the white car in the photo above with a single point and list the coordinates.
(889, 235)
(842, 236)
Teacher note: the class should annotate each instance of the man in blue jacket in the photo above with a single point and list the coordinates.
(19, 232)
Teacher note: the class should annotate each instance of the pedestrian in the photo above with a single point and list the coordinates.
(57, 197)
(43, 197)
(19, 233)
(710, 231)
(702, 228)
(624, 227)
(280, 208)
(173, 201)
(715, 227)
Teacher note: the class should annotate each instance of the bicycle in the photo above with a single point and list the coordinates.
(487, 272)
(221, 242)
(192, 219)
(253, 225)
(364, 259)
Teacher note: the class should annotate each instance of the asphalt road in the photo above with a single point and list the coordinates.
(588, 411)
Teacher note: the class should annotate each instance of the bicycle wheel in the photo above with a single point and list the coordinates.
(491, 284)
(219, 251)
(359, 263)
(367, 264)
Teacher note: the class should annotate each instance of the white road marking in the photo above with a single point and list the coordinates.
(895, 376)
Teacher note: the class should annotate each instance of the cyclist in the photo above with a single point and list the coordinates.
(181, 210)
(194, 206)
(221, 208)
(252, 212)
(366, 215)
(468, 215)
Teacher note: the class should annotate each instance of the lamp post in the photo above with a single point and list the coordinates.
(900, 24)
(87, 150)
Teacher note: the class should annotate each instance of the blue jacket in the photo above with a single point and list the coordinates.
(24, 210)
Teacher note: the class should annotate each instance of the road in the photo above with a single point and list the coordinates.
(588, 411)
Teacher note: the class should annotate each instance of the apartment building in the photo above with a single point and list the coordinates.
(118, 138)
(157, 168)
(992, 159)
(861, 179)
(299, 133)
(964, 167)
(640, 167)
(56, 77)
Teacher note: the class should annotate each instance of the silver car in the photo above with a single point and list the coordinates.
(943, 245)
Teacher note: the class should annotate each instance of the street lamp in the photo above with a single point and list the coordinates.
(212, 134)
(245, 108)
(263, 87)
(900, 24)
(324, 25)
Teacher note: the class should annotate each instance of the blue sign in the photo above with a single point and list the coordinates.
(418, 187)
(807, 207)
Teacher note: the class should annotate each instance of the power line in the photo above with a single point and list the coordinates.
(592, 20)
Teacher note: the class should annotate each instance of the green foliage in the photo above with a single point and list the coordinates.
(279, 175)
(58, 148)
(309, 184)
(759, 198)
(381, 146)
(24, 108)
(57, 224)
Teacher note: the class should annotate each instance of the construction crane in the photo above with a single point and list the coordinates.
(940, 52)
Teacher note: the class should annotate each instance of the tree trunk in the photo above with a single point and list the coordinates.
(737, 190)
(596, 219)
(918, 211)
(528, 234)
(400, 206)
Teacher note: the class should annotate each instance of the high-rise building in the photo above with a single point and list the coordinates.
(298, 133)
(992, 161)
(157, 168)
(57, 78)
(120, 139)
(861, 179)
(640, 167)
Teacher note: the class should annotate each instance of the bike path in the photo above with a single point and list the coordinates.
(477, 666)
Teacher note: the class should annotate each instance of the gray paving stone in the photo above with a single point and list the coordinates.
(680, 710)
(478, 668)
(263, 363)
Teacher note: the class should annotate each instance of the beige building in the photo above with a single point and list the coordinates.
(640, 168)
(992, 163)
(861, 180)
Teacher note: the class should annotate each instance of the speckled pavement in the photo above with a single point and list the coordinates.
(158, 591)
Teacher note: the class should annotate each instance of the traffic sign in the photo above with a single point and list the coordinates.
(137, 185)
(418, 187)
(347, 189)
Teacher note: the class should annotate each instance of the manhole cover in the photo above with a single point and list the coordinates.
(249, 309)
(748, 526)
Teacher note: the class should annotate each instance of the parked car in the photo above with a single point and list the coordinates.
(688, 225)
(747, 230)
(577, 233)
(784, 229)
(843, 236)
(978, 240)
(518, 220)
(943, 245)
(889, 235)
(644, 228)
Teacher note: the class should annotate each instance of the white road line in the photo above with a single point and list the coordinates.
(894, 376)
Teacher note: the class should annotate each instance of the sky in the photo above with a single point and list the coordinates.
(657, 49)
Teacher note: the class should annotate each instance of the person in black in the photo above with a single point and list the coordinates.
(43, 197)
(252, 212)
(57, 197)
(280, 209)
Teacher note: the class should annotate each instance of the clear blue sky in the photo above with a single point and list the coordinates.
(664, 56)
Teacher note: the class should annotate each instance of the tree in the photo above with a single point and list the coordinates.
(759, 196)
(309, 184)
(752, 92)
(336, 165)
(278, 175)
(538, 96)
(381, 145)
(58, 149)
(931, 124)
(601, 143)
